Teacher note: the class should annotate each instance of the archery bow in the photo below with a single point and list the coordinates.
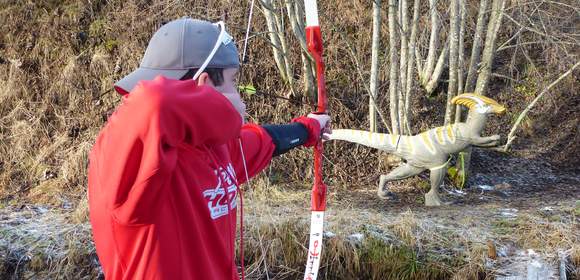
(318, 199)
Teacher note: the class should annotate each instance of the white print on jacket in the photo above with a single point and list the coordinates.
(217, 197)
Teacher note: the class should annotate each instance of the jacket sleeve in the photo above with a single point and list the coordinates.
(256, 151)
(136, 152)
(259, 146)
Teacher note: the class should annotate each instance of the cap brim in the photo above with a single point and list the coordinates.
(127, 84)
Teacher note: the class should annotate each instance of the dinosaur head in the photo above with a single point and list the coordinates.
(479, 103)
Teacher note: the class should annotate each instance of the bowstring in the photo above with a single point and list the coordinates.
(248, 180)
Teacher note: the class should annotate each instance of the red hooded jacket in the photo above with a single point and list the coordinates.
(163, 180)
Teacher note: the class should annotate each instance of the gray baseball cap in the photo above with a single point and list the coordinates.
(181, 45)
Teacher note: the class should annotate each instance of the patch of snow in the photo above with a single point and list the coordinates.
(328, 234)
(502, 251)
(485, 187)
(459, 192)
(526, 265)
(508, 212)
(41, 210)
(357, 237)
(455, 192)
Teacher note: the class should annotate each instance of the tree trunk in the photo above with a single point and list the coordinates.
(394, 61)
(476, 49)
(486, 63)
(363, 80)
(498, 7)
(454, 18)
(410, 67)
(374, 65)
(404, 19)
(434, 80)
(433, 43)
(419, 63)
(268, 10)
(284, 45)
(296, 19)
(461, 58)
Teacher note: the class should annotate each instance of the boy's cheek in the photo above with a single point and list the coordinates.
(237, 102)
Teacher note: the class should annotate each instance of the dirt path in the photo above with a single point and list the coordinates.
(511, 182)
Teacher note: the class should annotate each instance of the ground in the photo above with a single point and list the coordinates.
(519, 214)
(527, 210)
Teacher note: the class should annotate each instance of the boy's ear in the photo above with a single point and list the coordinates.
(204, 79)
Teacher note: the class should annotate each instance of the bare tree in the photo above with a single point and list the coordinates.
(461, 58)
(454, 19)
(511, 136)
(433, 81)
(497, 10)
(411, 65)
(394, 87)
(295, 12)
(433, 43)
(374, 64)
(486, 59)
(476, 48)
(404, 47)
(278, 40)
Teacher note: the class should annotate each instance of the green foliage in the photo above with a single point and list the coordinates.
(506, 226)
(97, 28)
(457, 173)
(424, 185)
(528, 87)
(72, 10)
(111, 45)
(247, 89)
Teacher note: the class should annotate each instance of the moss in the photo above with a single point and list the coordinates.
(97, 28)
(110, 45)
(424, 185)
(72, 10)
(505, 226)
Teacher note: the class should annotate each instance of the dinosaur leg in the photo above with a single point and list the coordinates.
(436, 176)
(404, 171)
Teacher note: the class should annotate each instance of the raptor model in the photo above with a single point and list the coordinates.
(432, 148)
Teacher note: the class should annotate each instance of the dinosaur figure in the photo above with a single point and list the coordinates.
(430, 149)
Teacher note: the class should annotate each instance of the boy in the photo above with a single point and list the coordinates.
(165, 170)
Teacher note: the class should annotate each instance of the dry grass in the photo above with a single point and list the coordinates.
(37, 244)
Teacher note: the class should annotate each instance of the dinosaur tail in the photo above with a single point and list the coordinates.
(381, 141)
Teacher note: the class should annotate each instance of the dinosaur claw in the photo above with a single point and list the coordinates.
(387, 195)
(432, 199)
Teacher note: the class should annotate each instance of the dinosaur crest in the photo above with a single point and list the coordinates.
(479, 102)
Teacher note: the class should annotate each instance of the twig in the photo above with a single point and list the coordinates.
(358, 68)
(511, 137)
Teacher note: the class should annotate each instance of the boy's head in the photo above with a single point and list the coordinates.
(224, 81)
(190, 49)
